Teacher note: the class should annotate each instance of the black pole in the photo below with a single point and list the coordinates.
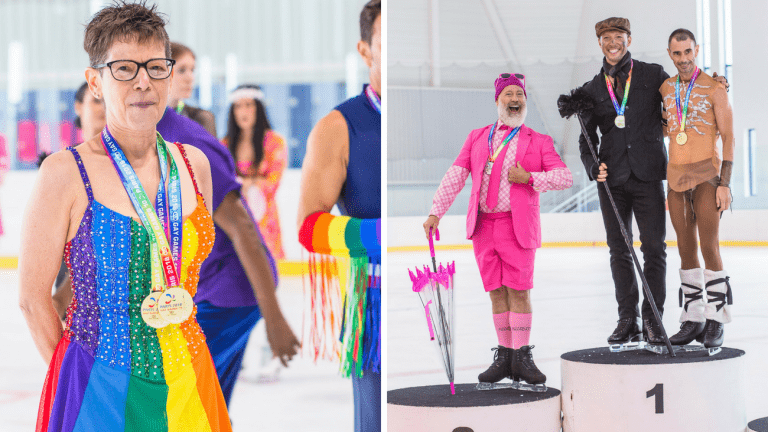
(648, 294)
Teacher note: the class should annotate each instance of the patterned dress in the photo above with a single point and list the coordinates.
(110, 371)
(264, 205)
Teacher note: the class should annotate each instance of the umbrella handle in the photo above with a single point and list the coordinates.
(429, 322)
(431, 242)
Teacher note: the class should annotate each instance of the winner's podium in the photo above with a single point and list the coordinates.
(640, 391)
(759, 425)
(434, 409)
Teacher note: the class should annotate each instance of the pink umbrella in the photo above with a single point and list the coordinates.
(435, 289)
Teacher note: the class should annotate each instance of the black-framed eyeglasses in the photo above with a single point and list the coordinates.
(126, 70)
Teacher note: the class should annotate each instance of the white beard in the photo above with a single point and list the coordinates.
(512, 120)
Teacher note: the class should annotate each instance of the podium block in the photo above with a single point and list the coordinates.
(434, 409)
(759, 425)
(639, 391)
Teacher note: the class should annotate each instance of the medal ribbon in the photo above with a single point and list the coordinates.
(165, 261)
(494, 155)
(373, 98)
(681, 114)
(620, 110)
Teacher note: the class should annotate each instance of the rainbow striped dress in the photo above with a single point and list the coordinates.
(110, 371)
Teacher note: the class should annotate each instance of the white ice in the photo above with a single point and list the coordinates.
(307, 397)
(573, 308)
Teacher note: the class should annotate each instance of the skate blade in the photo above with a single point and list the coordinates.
(662, 349)
(516, 385)
(627, 346)
(657, 349)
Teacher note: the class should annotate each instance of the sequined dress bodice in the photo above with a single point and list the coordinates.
(109, 264)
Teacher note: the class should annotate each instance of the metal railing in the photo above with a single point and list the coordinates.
(582, 201)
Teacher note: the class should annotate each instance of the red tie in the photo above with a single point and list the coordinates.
(493, 187)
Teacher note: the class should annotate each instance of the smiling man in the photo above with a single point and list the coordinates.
(510, 165)
(628, 112)
(698, 113)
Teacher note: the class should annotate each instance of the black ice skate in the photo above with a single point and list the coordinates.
(524, 369)
(499, 369)
(689, 331)
(652, 332)
(523, 372)
(626, 337)
(714, 333)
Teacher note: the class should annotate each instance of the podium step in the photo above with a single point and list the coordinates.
(638, 391)
(433, 409)
(759, 425)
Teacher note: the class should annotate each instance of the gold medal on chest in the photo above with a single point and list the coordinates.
(682, 138)
(150, 312)
(175, 305)
(620, 122)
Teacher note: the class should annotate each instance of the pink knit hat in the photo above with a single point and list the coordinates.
(507, 79)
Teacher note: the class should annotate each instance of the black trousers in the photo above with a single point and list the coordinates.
(646, 201)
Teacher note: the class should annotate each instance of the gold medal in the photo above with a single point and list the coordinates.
(150, 311)
(175, 305)
(488, 167)
(620, 122)
(682, 138)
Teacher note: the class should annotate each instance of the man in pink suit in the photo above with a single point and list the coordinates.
(510, 165)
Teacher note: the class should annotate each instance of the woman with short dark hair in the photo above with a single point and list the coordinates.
(183, 84)
(131, 356)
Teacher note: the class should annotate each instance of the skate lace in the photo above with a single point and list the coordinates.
(713, 329)
(690, 298)
(496, 354)
(528, 358)
(623, 324)
(722, 298)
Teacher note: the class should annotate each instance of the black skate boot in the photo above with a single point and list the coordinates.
(523, 368)
(714, 333)
(500, 367)
(652, 331)
(689, 331)
(626, 331)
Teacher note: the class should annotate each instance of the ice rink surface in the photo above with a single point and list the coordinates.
(573, 308)
(307, 397)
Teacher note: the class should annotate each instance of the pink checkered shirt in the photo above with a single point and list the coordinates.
(454, 180)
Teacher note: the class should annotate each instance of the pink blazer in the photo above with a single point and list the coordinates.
(536, 153)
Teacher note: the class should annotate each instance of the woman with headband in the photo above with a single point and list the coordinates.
(260, 154)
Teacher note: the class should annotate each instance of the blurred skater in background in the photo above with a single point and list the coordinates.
(260, 155)
(183, 84)
(343, 166)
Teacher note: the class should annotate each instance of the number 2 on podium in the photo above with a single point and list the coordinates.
(658, 392)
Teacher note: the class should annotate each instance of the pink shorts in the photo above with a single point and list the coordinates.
(501, 259)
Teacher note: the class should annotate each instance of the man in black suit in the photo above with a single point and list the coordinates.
(628, 111)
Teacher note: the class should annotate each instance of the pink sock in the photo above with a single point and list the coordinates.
(501, 322)
(520, 324)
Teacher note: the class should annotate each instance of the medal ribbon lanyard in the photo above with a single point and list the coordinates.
(620, 110)
(681, 114)
(493, 155)
(165, 261)
(373, 98)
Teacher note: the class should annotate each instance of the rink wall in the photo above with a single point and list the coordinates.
(742, 227)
